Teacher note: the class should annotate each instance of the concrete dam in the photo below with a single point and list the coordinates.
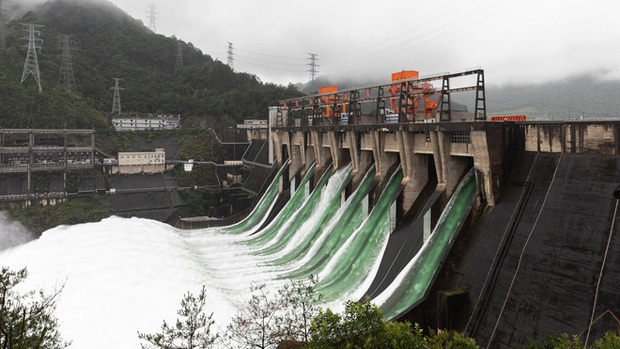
(528, 245)
(501, 230)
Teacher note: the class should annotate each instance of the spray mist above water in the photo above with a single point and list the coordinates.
(12, 233)
(123, 276)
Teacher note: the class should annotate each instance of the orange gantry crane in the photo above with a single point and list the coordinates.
(406, 98)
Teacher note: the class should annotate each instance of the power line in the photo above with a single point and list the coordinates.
(407, 43)
(336, 58)
(270, 67)
(411, 27)
(278, 63)
(271, 55)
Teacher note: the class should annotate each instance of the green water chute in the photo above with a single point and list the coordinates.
(337, 234)
(293, 204)
(260, 212)
(412, 283)
(354, 263)
(299, 218)
(326, 215)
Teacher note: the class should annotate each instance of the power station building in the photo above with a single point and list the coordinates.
(138, 162)
(146, 122)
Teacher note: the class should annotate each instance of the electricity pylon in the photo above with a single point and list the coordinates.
(151, 12)
(65, 76)
(116, 104)
(231, 55)
(313, 66)
(31, 65)
(179, 62)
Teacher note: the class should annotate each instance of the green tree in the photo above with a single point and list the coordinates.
(554, 341)
(449, 340)
(402, 335)
(192, 332)
(196, 200)
(27, 319)
(611, 340)
(361, 326)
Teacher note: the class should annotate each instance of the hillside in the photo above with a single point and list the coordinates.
(110, 44)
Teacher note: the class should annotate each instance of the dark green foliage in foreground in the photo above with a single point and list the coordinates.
(449, 340)
(610, 340)
(27, 320)
(553, 341)
(362, 326)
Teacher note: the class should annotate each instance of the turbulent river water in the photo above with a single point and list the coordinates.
(123, 275)
(120, 276)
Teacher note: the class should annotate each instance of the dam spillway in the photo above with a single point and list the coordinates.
(497, 229)
(482, 292)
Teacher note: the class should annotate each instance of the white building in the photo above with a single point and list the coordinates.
(146, 122)
(253, 123)
(141, 162)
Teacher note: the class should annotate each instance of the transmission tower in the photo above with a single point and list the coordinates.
(314, 59)
(179, 62)
(231, 56)
(31, 65)
(151, 12)
(116, 105)
(65, 76)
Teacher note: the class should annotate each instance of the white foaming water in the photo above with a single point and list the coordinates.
(126, 275)
(120, 276)
(331, 190)
(12, 233)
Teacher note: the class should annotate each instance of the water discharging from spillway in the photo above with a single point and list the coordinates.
(412, 283)
(259, 214)
(126, 275)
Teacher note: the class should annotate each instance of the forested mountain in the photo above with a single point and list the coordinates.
(109, 44)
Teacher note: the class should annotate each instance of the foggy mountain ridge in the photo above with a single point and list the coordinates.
(107, 43)
(589, 95)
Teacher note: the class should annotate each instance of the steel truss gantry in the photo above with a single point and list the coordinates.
(407, 93)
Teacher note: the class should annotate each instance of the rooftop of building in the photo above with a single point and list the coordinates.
(146, 116)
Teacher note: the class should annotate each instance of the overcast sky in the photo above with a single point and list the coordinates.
(515, 41)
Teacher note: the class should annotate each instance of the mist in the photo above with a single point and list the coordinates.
(12, 233)
(15, 9)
